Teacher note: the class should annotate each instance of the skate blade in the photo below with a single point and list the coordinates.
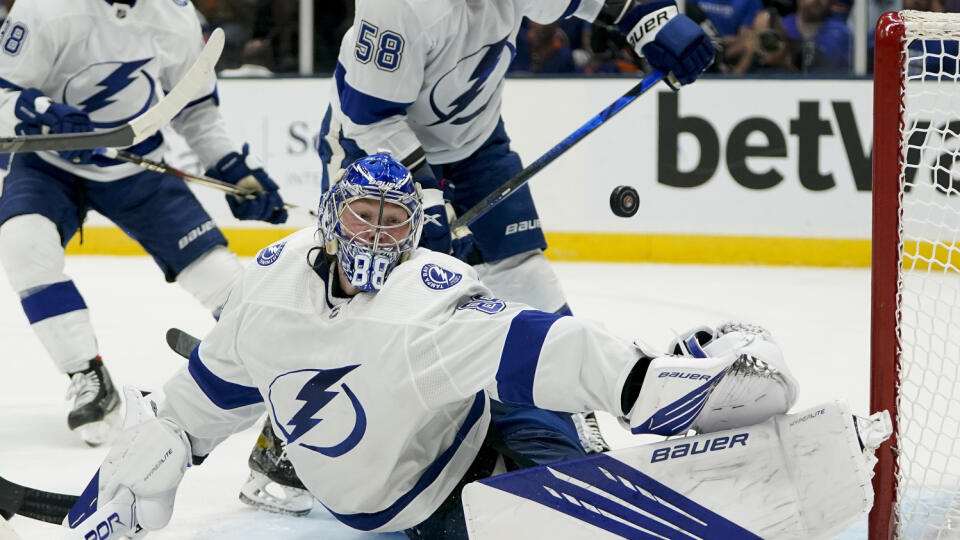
(264, 494)
(97, 433)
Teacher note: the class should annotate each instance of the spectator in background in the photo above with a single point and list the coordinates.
(821, 44)
(236, 19)
(257, 60)
(550, 50)
(768, 48)
(733, 20)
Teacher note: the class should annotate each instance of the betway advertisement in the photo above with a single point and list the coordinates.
(779, 158)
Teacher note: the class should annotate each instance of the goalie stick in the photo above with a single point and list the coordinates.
(34, 503)
(522, 177)
(53, 507)
(140, 127)
(163, 168)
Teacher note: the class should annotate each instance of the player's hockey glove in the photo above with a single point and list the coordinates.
(437, 216)
(244, 171)
(725, 379)
(670, 41)
(38, 114)
(149, 458)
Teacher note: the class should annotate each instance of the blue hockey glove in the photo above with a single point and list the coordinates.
(437, 215)
(244, 171)
(38, 114)
(670, 41)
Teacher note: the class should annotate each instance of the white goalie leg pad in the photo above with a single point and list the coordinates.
(525, 277)
(798, 476)
(210, 278)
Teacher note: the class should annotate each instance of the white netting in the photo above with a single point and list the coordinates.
(928, 480)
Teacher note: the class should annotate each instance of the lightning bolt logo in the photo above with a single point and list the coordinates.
(315, 395)
(120, 78)
(489, 60)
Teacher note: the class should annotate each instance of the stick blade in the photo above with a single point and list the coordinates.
(139, 128)
(181, 342)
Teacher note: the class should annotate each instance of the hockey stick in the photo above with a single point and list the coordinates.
(163, 168)
(522, 177)
(181, 342)
(140, 127)
(34, 503)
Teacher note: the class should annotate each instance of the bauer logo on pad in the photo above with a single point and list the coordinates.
(270, 254)
(439, 278)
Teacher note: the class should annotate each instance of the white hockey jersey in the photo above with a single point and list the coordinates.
(111, 61)
(430, 73)
(383, 398)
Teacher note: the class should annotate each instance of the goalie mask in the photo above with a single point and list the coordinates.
(371, 219)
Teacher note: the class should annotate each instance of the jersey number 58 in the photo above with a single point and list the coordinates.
(384, 48)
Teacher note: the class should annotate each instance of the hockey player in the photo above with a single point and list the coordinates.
(73, 66)
(381, 366)
(423, 79)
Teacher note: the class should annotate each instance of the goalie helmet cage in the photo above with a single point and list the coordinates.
(915, 327)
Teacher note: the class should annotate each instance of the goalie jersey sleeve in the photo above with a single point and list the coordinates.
(390, 388)
(429, 73)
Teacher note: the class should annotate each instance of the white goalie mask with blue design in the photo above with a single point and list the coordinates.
(371, 219)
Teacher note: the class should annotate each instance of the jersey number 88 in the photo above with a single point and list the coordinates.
(364, 271)
(384, 48)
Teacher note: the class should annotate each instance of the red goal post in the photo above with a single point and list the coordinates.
(915, 326)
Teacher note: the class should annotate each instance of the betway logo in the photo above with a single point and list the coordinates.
(812, 128)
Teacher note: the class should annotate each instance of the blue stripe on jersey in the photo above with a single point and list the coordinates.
(370, 521)
(9, 85)
(571, 9)
(223, 394)
(521, 352)
(364, 109)
(51, 301)
(215, 96)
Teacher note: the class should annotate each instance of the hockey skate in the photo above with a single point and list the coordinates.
(273, 484)
(589, 431)
(96, 412)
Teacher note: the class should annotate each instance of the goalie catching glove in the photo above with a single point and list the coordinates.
(727, 378)
(244, 171)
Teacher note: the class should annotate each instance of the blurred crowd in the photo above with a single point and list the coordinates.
(753, 36)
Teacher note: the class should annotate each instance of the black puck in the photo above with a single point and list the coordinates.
(624, 201)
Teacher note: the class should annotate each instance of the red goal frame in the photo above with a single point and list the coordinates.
(888, 92)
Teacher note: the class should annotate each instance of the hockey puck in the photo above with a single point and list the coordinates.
(624, 201)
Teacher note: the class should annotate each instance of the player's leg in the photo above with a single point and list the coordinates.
(40, 210)
(510, 241)
(163, 215)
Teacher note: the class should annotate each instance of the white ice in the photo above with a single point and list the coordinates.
(820, 317)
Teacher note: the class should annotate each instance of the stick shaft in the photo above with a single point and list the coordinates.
(524, 176)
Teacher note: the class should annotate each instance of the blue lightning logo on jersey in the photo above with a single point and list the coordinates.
(316, 394)
(112, 84)
(489, 59)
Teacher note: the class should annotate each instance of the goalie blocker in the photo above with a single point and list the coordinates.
(794, 476)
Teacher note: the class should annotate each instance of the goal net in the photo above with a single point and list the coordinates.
(915, 335)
